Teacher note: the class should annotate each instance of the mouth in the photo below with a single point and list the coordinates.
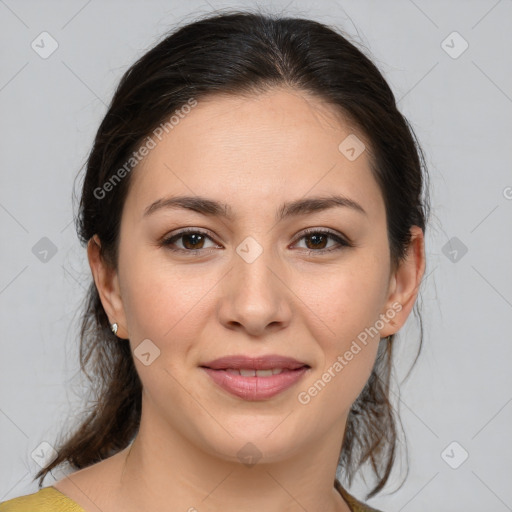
(248, 372)
(255, 378)
(259, 363)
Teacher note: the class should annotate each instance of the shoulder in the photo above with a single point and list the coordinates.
(47, 499)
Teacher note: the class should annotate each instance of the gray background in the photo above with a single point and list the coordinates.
(460, 105)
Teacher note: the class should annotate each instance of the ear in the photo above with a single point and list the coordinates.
(107, 284)
(404, 284)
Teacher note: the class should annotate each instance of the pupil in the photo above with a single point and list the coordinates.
(191, 236)
(316, 237)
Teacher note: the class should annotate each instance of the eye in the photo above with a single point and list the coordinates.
(319, 237)
(193, 241)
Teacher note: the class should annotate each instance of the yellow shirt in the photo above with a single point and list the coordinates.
(49, 499)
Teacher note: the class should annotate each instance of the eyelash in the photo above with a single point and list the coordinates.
(167, 242)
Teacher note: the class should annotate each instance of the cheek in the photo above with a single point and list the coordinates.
(164, 304)
(163, 301)
(348, 305)
(344, 300)
(343, 306)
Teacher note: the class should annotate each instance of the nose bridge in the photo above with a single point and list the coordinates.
(254, 263)
(255, 296)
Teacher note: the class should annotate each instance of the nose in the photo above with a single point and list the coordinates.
(255, 296)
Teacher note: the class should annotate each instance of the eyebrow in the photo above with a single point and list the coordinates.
(214, 208)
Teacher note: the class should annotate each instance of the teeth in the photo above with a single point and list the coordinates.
(263, 373)
(254, 373)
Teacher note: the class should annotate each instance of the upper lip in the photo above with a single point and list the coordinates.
(263, 362)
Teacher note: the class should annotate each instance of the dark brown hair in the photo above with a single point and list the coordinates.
(240, 53)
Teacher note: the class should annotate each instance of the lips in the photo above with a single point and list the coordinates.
(255, 378)
(266, 362)
(246, 372)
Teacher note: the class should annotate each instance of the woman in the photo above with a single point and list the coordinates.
(254, 221)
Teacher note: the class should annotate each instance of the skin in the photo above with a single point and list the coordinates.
(253, 153)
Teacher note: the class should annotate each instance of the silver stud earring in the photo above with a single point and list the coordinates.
(114, 328)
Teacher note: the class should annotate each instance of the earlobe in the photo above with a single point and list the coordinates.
(107, 283)
(405, 283)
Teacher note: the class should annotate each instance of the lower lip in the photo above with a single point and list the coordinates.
(255, 388)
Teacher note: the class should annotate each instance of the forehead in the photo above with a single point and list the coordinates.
(256, 150)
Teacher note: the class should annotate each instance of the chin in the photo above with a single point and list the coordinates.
(254, 445)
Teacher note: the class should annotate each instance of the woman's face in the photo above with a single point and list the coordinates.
(254, 283)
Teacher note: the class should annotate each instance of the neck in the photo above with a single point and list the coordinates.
(162, 468)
